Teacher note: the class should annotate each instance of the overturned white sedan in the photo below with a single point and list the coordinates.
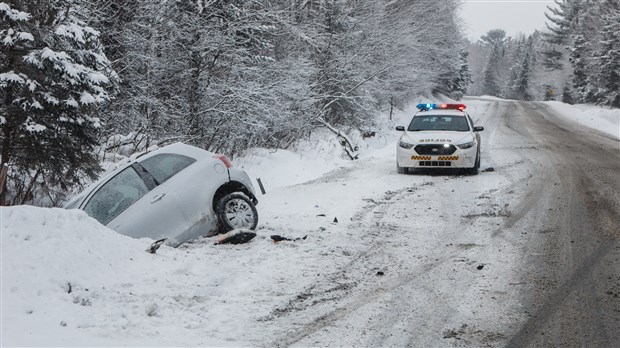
(178, 192)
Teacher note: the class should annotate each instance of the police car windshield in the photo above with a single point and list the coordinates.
(438, 123)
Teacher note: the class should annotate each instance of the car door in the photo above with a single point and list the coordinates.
(207, 177)
(187, 181)
(134, 206)
(476, 134)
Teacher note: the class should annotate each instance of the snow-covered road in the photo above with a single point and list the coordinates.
(524, 254)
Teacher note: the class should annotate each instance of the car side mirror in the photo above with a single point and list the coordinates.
(478, 129)
(400, 128)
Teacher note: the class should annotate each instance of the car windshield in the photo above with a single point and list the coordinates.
(438, 123)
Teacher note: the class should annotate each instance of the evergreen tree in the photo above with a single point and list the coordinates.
(563, 19)
(489, 80)
(521, 87)
(454, 82)
(53, 74)
(496, 40)
(575, 26)
(609, 58)
(578, 58)
(517, 59)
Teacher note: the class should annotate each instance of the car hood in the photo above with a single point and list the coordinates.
(437, 137)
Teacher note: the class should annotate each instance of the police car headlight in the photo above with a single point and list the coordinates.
(405, 145)
(467, 145)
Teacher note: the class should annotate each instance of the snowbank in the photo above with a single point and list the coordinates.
(309, 160)
(69, 281)
(600, 118)
(55, 265)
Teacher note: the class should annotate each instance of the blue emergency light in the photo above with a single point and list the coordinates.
(430, 106)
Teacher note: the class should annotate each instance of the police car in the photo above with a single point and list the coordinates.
(439, 136)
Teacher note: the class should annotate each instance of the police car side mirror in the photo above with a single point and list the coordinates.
(400, 128)
(478, 129)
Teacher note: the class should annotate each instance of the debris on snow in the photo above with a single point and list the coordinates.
(153, 247)
(455, 334)
(236, 237)
(151, 310)
(276, 238)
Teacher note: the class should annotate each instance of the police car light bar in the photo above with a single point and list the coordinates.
(426, 107)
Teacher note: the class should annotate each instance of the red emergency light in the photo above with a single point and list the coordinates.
(426, 107)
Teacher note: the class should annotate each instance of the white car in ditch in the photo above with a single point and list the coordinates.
(439, 136)
(178, 192)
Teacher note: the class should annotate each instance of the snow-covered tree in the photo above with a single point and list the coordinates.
(53, 74)
(496, 40)
(335, 80)
(609, 57)
(454, 82)
(583, 49)
(516, 62)
(577, 27)
(578, 58)
(561, 24)
(521, 87)
(127, 31)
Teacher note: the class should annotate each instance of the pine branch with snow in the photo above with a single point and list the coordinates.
(53, 75)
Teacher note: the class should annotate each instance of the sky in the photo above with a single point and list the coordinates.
(514, 16)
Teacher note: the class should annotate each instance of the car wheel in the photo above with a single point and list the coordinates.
(234, 211)
(401, 170)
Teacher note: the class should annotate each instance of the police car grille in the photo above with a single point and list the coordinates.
(435, 149)
(435, 164)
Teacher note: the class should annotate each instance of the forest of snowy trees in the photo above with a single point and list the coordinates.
(77, 77)
(80, 78)
(575, 60)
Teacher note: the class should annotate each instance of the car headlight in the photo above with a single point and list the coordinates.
(467, 145)
(405, 145)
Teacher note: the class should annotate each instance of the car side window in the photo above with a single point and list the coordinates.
(164, 166)
(116, 195)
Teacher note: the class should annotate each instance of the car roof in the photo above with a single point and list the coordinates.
(178, 148)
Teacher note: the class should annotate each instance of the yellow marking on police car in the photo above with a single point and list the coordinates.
(421, 158)
(448, 158)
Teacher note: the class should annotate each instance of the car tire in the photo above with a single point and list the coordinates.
(401, 170)
(235, 211)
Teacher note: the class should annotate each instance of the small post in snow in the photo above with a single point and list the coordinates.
(260, 184)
